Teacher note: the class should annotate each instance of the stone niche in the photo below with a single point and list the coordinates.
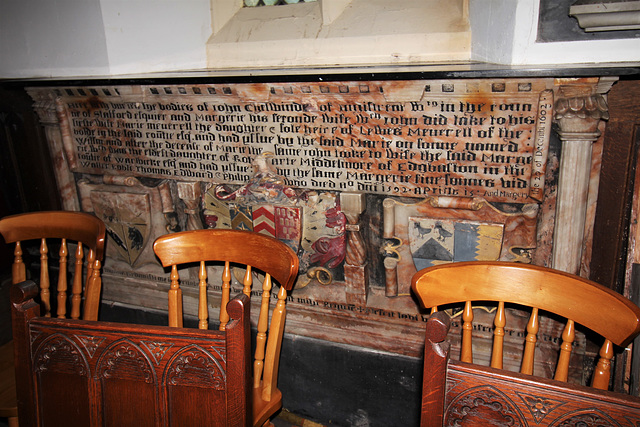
(369, 181)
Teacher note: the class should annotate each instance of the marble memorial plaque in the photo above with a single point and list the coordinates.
(368, 181)
(475, 138)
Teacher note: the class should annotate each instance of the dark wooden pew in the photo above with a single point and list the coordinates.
(88, 373)
(463, 394)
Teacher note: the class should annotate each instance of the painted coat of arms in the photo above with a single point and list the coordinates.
(310, 223)
(437, 241)
(127, 219)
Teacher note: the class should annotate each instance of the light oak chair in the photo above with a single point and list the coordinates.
(82, 228)
(575, 299)
(86, 231)
(252, 251)
(466, 394)
(94, 374)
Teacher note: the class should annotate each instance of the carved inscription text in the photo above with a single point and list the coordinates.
(384, 138)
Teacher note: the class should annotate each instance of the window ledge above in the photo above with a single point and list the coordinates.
(353, 32)
(606, 15)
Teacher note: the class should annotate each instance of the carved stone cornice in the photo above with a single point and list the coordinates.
(606, 15)
(46, 111)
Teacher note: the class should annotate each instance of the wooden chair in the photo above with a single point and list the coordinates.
(91, 374)
(80, 227)
(456, 393)
(83, 228)
(255, 251)
(578, 300)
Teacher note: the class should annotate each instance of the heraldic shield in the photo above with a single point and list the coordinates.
(313, 227)
(127, 217)
(438, 241)
(282, 222)
(311, 223)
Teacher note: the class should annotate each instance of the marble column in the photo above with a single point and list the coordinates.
(578, 111)
(51, 113)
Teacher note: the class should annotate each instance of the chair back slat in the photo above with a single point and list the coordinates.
(533, 326)
(75, 226)
(93, 288)
(602, 372)
(76, 287)
(226, 294)
(184, 247)
(578, 300)
(270, 375)
(568, 336)
(175, 299)
(45, 284)
(253, 253)
(247, 281)
(18, 269)
(203, 305)
(466, 354)
(261, 336)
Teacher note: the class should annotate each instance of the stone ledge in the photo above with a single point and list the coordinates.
(365, 32)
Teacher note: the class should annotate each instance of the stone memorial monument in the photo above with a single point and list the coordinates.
(369, 181)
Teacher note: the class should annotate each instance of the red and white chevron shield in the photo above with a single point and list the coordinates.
(264, 220)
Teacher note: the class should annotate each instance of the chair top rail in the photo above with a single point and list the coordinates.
(256, 250)
(583, 301)
(78, 226)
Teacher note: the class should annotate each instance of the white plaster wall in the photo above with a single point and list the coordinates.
(491, 42)
(79, 38)
(505, 32)
(156, 35)
(51, 38)
(85, 38)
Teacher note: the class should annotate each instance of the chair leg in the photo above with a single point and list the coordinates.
(13, 422)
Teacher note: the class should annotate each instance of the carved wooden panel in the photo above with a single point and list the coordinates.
(483, 396)
(141, 377)
(611, 265)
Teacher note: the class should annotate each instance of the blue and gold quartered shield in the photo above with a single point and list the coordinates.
(437, 241)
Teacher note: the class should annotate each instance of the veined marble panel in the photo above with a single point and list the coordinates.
(368, 181)
(410, 138)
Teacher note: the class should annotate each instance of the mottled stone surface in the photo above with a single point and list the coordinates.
(470, 139)
(368, 181)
